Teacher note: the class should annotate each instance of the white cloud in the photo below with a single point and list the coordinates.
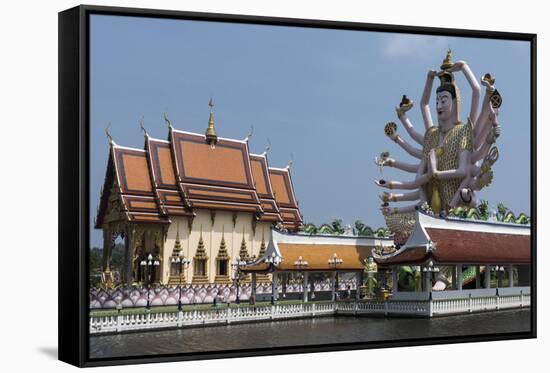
(416, 46)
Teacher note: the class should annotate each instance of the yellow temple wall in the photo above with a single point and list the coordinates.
(212, 236)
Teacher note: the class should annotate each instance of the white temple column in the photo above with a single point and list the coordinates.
(459, 277)
(511, 275)
(107, 248)
(275, 286)
(305, 286)
(358, 286)
(253, 284)
(427, 281)
(394, 275)
(333, 286)
(487, 276)
(129, 243)
(455, 283)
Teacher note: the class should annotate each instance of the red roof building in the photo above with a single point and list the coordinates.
(464, 241)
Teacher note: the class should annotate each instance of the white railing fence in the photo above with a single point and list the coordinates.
(228, 315)
(425, 308)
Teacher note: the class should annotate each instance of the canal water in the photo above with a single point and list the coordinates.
(305, 332)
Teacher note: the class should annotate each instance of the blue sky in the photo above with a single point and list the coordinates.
(322, 96)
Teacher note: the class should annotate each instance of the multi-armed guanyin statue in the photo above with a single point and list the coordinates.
(456, 156)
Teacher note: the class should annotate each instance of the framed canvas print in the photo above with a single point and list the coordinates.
(237, 186)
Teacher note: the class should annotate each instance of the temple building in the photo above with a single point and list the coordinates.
(462, 253)
(189, 206)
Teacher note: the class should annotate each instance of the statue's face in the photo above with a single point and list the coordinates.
(444, 105)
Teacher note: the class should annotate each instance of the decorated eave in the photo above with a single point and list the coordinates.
(286, 250)
(168, 193)
(462, 241)
(128, 175)
(283, 191)
(262, 183)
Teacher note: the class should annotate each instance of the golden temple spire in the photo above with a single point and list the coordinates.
(211, 135)
(222, 253)
(262, 246)
(448, 61)
(201, 252)
(177, 244)
(243, 252)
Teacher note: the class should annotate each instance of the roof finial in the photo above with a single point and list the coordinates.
(142, 127)
(291, 162)
(267, 148)
(250, 133)
(211, 135)
(167, 121)
(109, 136)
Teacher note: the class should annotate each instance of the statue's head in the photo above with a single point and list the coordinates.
(447, 99)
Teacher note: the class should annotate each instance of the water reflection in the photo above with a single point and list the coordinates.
(305, 332)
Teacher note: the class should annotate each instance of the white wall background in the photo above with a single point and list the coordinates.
(28, 212)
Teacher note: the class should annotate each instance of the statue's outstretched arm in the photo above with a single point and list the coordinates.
(398, 197)
(483, 175)
(415, 152)
(483, 117)
(481, 152)
(390, 162)
(401, 111)
(425, 102)
(490, 139)
(399, 184)
(476, 89)
(421, 179)
(486, 109)
(491, 121)
(474, 170)
(410, 129)
(398, 210)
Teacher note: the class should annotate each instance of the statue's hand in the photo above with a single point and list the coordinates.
(492, 156)
(457, 66)
(488, 81)
(487, 84)
(381, 162)
(383, 183)
(432, 74)
(385, 210)
(394, 136)
(386, 196)
(402, 109)
(493, 135)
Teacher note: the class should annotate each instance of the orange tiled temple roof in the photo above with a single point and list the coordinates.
(187, 172)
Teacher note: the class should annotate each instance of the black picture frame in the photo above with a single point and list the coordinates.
(74, 156)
